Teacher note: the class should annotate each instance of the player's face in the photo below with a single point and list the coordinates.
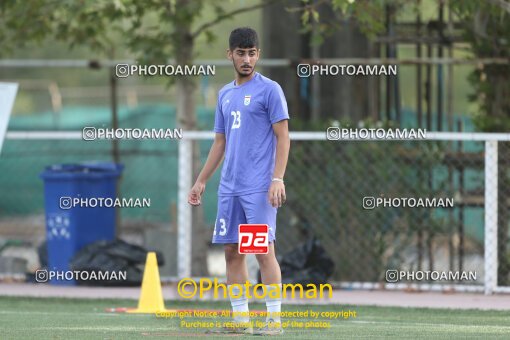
(244, 60)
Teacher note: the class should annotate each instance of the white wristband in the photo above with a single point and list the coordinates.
(276, 179)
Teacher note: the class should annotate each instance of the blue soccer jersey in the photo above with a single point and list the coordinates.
(245, 115)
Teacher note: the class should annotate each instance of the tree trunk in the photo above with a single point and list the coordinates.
(186, 119)
(115, 142)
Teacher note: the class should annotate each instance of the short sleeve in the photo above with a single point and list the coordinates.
(219, 123)
(276, 104)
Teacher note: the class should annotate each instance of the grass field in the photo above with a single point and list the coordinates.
(34, 318)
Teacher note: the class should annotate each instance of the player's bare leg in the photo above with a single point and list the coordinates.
(272, 278)
(269, 267)
(237, 273)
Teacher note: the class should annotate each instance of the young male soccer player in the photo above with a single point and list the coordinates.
(252, 133)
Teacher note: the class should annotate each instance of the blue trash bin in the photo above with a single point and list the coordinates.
(69, 228)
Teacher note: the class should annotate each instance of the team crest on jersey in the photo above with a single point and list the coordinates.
(247, 100)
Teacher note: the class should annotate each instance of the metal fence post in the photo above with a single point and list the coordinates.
(491, 216)
(184, 209)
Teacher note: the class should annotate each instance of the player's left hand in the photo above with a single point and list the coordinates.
(277, 194)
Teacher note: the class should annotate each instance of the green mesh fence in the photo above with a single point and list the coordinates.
(150, 166)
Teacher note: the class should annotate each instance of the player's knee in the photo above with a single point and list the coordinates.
(232, 253)
(265, 259)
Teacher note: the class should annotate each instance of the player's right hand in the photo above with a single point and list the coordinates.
(195, 194)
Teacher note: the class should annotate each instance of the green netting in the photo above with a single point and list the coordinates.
(150, 165)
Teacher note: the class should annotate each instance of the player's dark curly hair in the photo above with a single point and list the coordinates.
(243, 37)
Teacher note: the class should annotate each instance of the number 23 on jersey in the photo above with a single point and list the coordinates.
(237, 119)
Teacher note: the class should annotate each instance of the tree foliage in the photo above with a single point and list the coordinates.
(487, 28)
(485, 25)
